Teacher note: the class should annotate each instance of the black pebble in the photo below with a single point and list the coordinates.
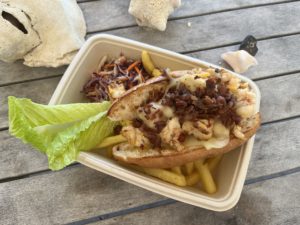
(249, 45)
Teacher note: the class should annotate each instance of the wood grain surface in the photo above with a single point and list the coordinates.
(192, 40)
(86, 192)
(218, 29)
(260, 203)
(31, 194)
(69, 195)
(112, 14)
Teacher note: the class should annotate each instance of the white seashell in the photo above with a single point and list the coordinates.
(153, 13)
(56, 30)
(240, 60)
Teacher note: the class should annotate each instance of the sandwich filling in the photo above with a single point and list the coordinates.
(198, 108)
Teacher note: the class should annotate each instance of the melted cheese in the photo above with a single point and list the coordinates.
(142, 115)
(166, 110)
(208, 144)
(191, 82)
(220, 131)
(246, 111)
(221, 137)
(116, 91)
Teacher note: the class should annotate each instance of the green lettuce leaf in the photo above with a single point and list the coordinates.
(60, 131)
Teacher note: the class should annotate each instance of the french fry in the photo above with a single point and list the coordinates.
(214, 162)
(206, 178)
(188, 168)
(109, 152)
(192, 179)
(166, 175)
(112, 140)
(147, 62)
(156, 72)
(177, 170)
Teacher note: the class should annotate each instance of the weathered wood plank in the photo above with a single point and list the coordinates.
(110, 14)
(276, 148)
(283, 150)
(270, 202)
(39, 91)
(194, 7)
(79, 193)
(106, 15)
(72, 194)
(221, 28)
(284, 60)
(275, 56)
(280, 97)
(270, 153)
(18, 72)
(17, 158)
(75, 187)
(276, 103)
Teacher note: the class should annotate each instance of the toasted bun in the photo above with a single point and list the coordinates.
(122, 107)
(121, 110)
(171, 158)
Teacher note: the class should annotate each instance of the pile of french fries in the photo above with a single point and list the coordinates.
(190, 174)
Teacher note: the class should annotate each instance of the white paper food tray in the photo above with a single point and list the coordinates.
(232, 171)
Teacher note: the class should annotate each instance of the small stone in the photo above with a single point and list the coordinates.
(249, 45)
(189, 24)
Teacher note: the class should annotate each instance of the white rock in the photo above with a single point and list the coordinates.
(59, 29)
(153, 13)
(240, 60)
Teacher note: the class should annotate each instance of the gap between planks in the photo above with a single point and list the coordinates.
(276, 75)
(172, 201)
(33, 174)
(85, 1)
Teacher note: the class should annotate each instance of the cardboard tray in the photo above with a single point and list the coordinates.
(232, 171)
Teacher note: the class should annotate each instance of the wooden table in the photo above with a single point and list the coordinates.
(31, 194)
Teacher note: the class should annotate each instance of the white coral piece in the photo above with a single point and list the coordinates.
(153, 13)
(240, 60)
(15, 42)
(56, 30)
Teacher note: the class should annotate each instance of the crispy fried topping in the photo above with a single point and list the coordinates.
(214, 101)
